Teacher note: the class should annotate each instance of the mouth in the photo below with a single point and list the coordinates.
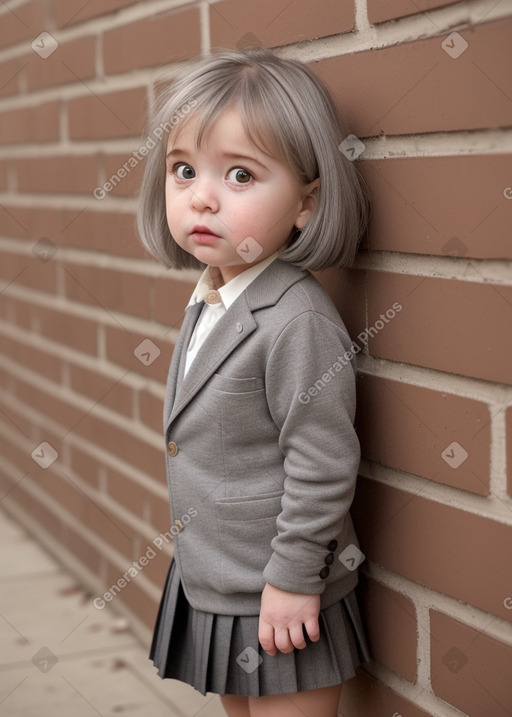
(203, 235)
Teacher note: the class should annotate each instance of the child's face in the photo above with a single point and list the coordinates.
(229, 194)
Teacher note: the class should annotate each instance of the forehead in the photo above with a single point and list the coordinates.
(228, 125)
(230, 128)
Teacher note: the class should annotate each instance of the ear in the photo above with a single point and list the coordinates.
(309, 200)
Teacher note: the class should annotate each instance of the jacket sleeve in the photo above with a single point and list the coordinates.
(310, 385)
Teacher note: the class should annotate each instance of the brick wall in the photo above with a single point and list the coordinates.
(88, 322)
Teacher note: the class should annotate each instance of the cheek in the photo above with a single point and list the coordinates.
(246, 211)
(172, 216)
(171, 201)
(168, 196)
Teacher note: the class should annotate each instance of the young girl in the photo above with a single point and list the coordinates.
(261, 455)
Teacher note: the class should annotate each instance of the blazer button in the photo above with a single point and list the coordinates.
(324, 572)
(332, 546)
(329, 559)
(172, 448)
(178, 524)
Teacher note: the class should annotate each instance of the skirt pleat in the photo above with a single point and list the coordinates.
(222, 654)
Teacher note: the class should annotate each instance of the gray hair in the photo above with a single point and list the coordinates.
(288, 113)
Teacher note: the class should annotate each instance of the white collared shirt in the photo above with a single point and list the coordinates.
(217, 302)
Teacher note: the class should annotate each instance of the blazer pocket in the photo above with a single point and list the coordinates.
(227, 384)
(246, 527)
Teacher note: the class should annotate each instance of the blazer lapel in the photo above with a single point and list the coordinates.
(234, 327)
(231, 329)
(177, 366)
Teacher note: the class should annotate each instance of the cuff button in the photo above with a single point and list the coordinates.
(329, 559)
(332, 546)
(324, 572)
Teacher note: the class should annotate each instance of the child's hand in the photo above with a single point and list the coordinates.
(282, 616)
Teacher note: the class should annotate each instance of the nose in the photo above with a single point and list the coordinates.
(203, 196)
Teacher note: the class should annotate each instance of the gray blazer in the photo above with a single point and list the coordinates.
(262, 456)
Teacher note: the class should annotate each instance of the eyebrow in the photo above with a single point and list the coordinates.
(243, 157)
(227, 155)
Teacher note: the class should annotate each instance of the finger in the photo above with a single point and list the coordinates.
(266, 637)
(297, 637)
(282, 640)
(313, 629)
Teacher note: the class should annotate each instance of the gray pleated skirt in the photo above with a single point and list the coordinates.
(222, 654)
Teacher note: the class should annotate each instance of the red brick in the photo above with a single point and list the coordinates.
(3, 175)
(347, 289)
(364, 696)
(133, 596)
(7, 309)
(470, 670)
(390, 621)
(85, 466)
(56, 175)
(380, 12)
(508, 418)
(160, 517)
(20, 269)
(64, 491)
(108, 115)
(440, 205)
(10, 483)
(86, 553)
(84, 508)
(25, 22)
(13, 222)
(125, 491)
(102, 390)
(90, 512)
(73, 12)
(111, 290)
(435, 545)
(76, 332)
(170, 300)
(17, 312)
(174, 36)
(236, 24)
(10, 73)
(429, 91)
(124, 178)
(120, 350)
(33, 124)
(49, 405)
(107, 232)
(117, 441)
(71, 63)
(151, 410)
(85, 228)
(409, 428)
(31, 357)
(40, 516)
(8, 383)
(11, 452)
(109, 527)
(444, 324)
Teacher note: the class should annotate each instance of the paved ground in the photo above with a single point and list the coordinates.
(59, 657)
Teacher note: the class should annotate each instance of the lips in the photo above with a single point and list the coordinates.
(202, 235)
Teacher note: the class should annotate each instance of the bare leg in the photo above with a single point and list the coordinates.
(236, 705)
(310, 703)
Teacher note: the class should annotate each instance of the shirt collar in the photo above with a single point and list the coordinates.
(232, 290)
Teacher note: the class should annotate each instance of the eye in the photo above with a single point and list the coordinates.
(184, 171)
(239, 176)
